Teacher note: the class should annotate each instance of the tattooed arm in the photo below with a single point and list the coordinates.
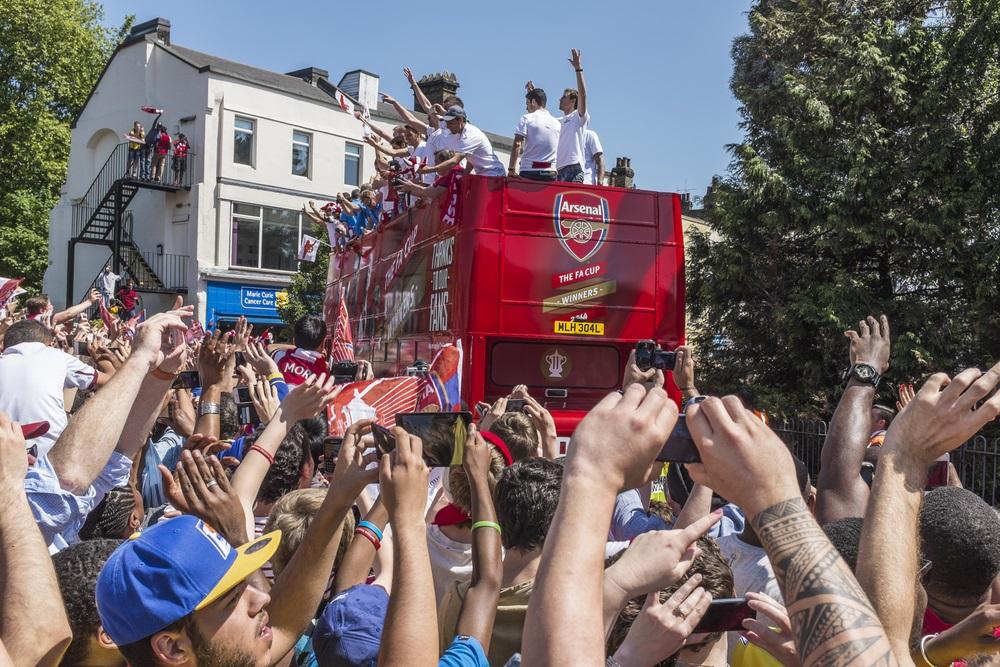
(832, 620)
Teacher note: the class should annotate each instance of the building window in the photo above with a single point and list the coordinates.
(352, 164)
(243, 131)
(265, 237)
(301, 142)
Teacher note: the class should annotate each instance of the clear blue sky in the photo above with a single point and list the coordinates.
(657, 70)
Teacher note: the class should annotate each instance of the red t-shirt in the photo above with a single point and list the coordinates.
(163, 144)
(128, 298)
(299, 365)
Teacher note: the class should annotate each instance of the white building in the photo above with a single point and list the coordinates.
(262, 144)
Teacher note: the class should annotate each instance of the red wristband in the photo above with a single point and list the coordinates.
(369, 535)
(160, 374)
(263, 452)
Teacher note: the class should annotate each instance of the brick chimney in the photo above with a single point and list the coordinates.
(623, 176)
(310, 75)
(436, 87)
(158, 26)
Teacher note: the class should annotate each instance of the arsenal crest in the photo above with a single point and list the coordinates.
(581, 222)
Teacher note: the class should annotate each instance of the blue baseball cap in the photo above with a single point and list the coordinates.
(168, 571)
(350, 630)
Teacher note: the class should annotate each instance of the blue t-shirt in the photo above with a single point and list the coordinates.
(371, 215)
(464, 651)
(167, 450)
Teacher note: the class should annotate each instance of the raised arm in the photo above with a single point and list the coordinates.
(66, 315)
(410, 633)
(833, 622)
(84, 448)
(564, 622)
(299, 588)
(599, 166)
(840, 490)
(479, 609)
(390, 151)
(418, 93)
(942, 416)
(374, 128)
(422, 191)
(581, 85)
(361, 552)
(406, 114)
(33, 624)
(216, 354)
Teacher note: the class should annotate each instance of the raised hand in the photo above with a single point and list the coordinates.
(944, 413)
(638, 422)
(742, 459)
(154, 341)
(388, 99)
(256, 354)
(574, 59)
(906, 394)
(409, 75)
(265, 401)
(648, 377)
(214, 357)
(684, 368)
(476, 455)
(662, 628)
(496, 411)
(775, 635)
(870, 343)
(350, 474)
(403, 480)
(93, 296)
(199, 486)
(306, 400)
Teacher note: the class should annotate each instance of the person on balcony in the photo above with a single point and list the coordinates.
(179, 164)
(162, 149)
(128, 297)
(136, 137)
(106, 284)
(148, 148)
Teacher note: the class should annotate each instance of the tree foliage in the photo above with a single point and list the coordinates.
(867, 182)
(306, 292)
(51, 53)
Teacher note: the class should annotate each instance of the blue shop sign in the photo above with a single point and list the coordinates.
(258, 303)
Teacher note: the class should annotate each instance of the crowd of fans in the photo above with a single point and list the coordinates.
(422, 161)
(152, 519)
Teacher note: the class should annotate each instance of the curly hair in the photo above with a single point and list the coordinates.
(110, 519)
(717, 579)
(77, 567)
(283, 475)
(516, 429)
(845, 535)
(527, 495)
(961, 537)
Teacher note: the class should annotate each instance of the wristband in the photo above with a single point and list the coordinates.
(923, 648)
(372, 527)
(488, 524)
(275, 376)
(161, 374)
(208, 409)
(368, 535)
(263, 452)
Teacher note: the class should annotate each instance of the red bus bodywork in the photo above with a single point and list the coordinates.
(545, 284)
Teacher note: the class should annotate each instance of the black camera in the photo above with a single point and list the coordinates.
(647, 356)
(344, 371)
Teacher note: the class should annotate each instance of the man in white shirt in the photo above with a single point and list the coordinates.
(537, 134)
(106, 284)
(471, 144)
(573, 103)
(33, 376)
(593, 158)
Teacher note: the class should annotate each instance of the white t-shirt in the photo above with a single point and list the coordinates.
(473, 143)
(541, 138)
(106, 282)
(32, 379)
(751, 572)
(425, 154)
(591, 147)
(436, 137)
(570, 150)
(451, 561)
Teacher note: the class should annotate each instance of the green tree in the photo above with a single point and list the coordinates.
(51, 53)
(305, 294)
(866, 183)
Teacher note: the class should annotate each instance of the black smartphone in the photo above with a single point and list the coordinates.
(241, 359)
(242, 396)
(385, 441)
(331, 450)
(344, 371)
(647, 356)
(442, 434)
(680, 447)
(187, 380)
(724, 615)
(515, 405)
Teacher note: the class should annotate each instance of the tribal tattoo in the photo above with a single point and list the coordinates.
(833, 621)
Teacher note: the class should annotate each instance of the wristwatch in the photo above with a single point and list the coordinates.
(863, 373)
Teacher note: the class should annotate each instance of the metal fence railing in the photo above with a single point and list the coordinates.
(977, 461)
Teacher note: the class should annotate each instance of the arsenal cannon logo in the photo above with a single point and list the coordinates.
(581, 222)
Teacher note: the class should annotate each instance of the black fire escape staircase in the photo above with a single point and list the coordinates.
(101, 218)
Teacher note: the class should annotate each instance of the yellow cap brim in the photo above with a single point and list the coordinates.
(249, 558)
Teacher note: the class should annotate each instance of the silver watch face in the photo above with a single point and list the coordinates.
(864, 372)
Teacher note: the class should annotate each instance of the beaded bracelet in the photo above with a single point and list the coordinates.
(372, 527)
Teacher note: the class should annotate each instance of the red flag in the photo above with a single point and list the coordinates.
(9, 289)
(385, 396)
(343, 343)
(106, 316)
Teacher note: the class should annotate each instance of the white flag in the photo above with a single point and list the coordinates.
(309, 248)
(345, 103)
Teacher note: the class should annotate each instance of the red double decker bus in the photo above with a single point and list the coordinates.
(544, 284)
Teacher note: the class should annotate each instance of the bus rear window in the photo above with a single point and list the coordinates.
(570, 365)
